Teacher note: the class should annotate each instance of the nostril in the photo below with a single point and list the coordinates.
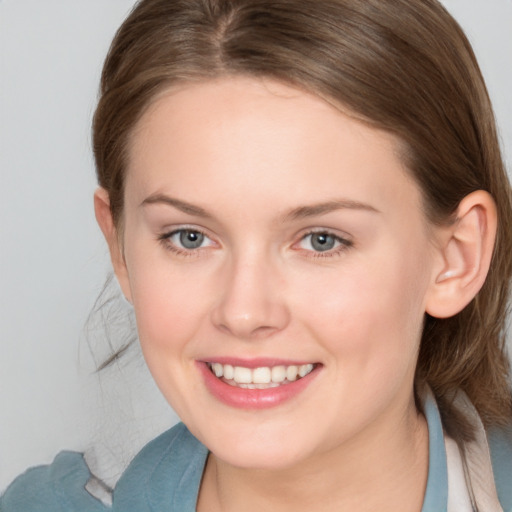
(262, 331)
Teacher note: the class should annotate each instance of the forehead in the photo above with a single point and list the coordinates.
(233, 138)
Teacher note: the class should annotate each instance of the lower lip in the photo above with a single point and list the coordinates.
(242, 398)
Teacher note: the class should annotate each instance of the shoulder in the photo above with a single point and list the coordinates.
(57, 487)
(500, 444)
(168, 470)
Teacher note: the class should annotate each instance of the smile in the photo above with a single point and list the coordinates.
(264, 377)
(257, 384)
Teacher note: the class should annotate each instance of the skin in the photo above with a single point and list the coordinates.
(249, 155)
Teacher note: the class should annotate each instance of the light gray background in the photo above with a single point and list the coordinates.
(53, 261)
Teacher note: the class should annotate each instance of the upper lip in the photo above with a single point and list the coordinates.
(258, 362)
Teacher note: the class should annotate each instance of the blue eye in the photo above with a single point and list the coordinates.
(185, 240)
(188, 238)
(324, 242)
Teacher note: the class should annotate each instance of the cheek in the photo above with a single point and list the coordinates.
(372, 309)
(169, 302)
(170, 311)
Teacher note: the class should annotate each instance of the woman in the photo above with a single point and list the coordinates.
(306, 205)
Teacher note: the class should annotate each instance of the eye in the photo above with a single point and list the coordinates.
(188, 239)
(321, 241)
(184, 240)
(324, 242)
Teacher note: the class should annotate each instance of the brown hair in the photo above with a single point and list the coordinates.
(404, 66)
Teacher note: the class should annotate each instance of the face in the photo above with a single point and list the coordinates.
(279, 262)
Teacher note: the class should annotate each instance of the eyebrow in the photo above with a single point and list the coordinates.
(302, 212)
(183, 206)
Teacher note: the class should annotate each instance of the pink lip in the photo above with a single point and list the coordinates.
(253, 398)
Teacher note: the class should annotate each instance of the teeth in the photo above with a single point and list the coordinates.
(305, 369)
(242, 375)
(257, 386)
(217, 369)
(229, 371)
(291, 373)
(261, 375)
(278, 373)
(260, 378)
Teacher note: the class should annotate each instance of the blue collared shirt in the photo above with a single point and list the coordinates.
(167, 473)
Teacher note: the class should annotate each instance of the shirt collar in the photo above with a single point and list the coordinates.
(436, 495)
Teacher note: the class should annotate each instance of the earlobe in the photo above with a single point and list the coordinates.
(108, 228)
(466, 248)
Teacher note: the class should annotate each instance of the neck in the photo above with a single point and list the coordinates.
(384, 470)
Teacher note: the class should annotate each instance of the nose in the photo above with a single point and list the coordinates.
(251, 301)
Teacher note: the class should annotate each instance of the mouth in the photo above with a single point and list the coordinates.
(263, 377)
(257, 384)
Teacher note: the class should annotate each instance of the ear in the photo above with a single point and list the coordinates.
(465, 249)
(107, 226)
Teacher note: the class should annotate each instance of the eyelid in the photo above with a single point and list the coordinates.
(344, 240)
(170, 230)
(166, 235)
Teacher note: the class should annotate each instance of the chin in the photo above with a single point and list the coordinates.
(259, 458)
(260, 447)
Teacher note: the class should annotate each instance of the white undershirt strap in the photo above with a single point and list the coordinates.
(475, 463)
(459, 499)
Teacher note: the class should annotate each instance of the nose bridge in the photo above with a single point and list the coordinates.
(251, 300)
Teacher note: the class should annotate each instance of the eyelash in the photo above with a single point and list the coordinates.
(165, 240)
(343, 243)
